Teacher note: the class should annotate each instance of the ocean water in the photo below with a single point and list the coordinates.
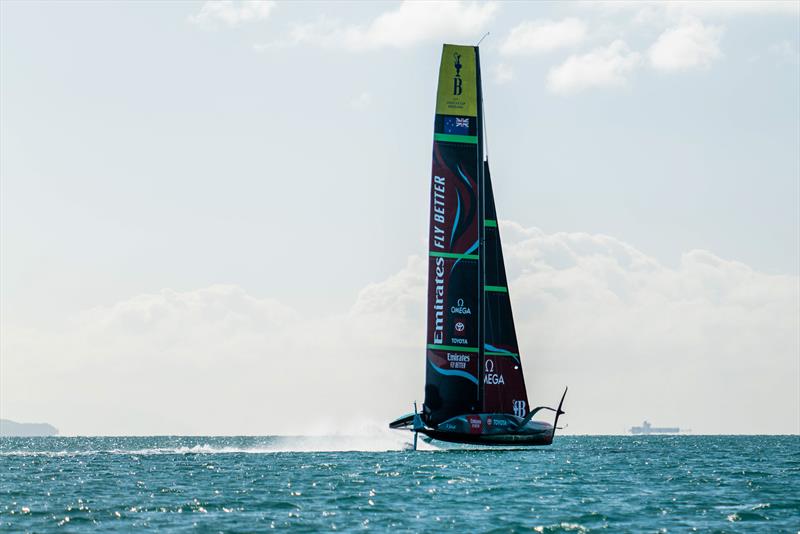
(247, 484)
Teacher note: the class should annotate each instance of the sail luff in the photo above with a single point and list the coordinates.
(481, 234)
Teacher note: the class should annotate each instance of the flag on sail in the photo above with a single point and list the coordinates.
(456, 125)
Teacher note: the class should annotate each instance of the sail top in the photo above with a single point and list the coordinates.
(457, 93)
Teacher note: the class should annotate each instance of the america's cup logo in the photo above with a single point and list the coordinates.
(457, 77)
(519, 408)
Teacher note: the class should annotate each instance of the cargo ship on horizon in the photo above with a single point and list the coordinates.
(647, 428)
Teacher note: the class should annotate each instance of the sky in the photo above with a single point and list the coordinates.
(213, 214)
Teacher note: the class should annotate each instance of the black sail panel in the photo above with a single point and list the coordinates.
(503, 382)
(452, 383)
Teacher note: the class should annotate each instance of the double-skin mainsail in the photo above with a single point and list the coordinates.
(473, 363)
(473, 368)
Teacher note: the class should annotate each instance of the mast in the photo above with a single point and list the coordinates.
(481, 235)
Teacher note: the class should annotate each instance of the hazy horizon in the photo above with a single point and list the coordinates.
(212, 214)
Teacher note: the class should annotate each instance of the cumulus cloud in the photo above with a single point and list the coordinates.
(408, 24)
(785, 51)
(658, 10)
(362, 101)
(710, 344)
(603, 67)
(536, 36)
(690, 45)
(503, 73)
(231, 13)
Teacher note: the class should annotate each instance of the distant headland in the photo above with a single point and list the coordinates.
(13, 429)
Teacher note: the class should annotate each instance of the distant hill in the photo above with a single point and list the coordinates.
(14, 429)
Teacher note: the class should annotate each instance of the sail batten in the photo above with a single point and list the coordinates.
(452, 138)
(453, 255)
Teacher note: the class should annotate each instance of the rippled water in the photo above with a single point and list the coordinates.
(636, 484)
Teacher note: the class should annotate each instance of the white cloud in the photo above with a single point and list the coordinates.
(362, 101)
(690, 45)
(731, 7)
(408, 24)
(602, 67)
(231, 13)
(538, 36)
(650, 11)
(785, 51)
(710, 344)
(503, 73)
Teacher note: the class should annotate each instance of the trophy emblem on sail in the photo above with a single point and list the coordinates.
(457, 78)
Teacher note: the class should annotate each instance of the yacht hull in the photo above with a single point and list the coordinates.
(483, 429)
(491, 439)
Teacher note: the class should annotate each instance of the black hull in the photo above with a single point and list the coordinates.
(501, 429)
(491, 439)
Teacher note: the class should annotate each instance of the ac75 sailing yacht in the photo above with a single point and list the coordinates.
(474, 387)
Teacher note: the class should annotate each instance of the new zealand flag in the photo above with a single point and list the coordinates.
(456, 125)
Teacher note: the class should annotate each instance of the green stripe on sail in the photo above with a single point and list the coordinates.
(453, 255)
(495, 289)
(452, 347)
(510, 354)
(490, 223)
(453, 138)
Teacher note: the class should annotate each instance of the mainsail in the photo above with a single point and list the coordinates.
(473, 363)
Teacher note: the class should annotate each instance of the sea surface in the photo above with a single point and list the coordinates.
(304, 484)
